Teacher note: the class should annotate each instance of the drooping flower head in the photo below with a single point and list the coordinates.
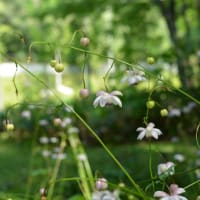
(166, 169)
(149, 132)
(173, 194)
(133, 77)
(104, 98)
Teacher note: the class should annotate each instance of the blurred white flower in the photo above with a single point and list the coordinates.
(175, 112)
(188, 108)
(175, 139)
(148, 132)
(26, 114)
(82, 157)
(179, 157)
(43, 122)
(72, 130)
(44, 140)
(104, 195)
(57, 149)
(54, 140)
(104, 98)
(66, 121)
(59, 156)
(166, 168)
(133, 77)
(197, 172)
(46, 153)
(174, 192)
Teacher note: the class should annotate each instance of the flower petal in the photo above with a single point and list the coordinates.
(140, 129)
(102, 101)
(141, 135)
(116, 93)
(96, 101)
(160, 194)
(116, 101)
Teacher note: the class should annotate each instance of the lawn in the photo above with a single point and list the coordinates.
(24, 170)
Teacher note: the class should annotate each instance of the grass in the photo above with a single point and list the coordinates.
(15, 167)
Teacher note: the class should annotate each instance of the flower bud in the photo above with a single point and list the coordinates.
(57, 121)
(101, 184)
(10, 127)
(84, 93)
(53, 63)
(150, 60)
(59, 67)
(150, 104)
(85, 41)
(164, 112)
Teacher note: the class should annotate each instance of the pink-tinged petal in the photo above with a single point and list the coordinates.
(180, 191)
(96, 101)
(140, 129)
(101, 93)
(175, 190)
(141, 135)
(116, 101)
(116, 93)
(160, 194)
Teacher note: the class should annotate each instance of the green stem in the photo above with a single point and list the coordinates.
(150, 166)
(190, 185)
(106, 76)
(56, 168)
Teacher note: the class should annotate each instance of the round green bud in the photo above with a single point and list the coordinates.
(59, 67)
(150, 60)
(10, 127)
(53, 63)
(150, 104)
(164, 112)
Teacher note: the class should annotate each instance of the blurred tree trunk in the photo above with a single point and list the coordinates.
(170, 16)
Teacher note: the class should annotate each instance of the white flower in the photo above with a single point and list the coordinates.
(82, 157)
(26, 114)
(54, 140)
(44, 140)
(104, 98)
(174, 192)
(59, 156)
(179, 157)
(46, 153)
(175, 112)
(134, 77)
(149, 132)
(43, 122)
(104, 195)
(166, 168)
